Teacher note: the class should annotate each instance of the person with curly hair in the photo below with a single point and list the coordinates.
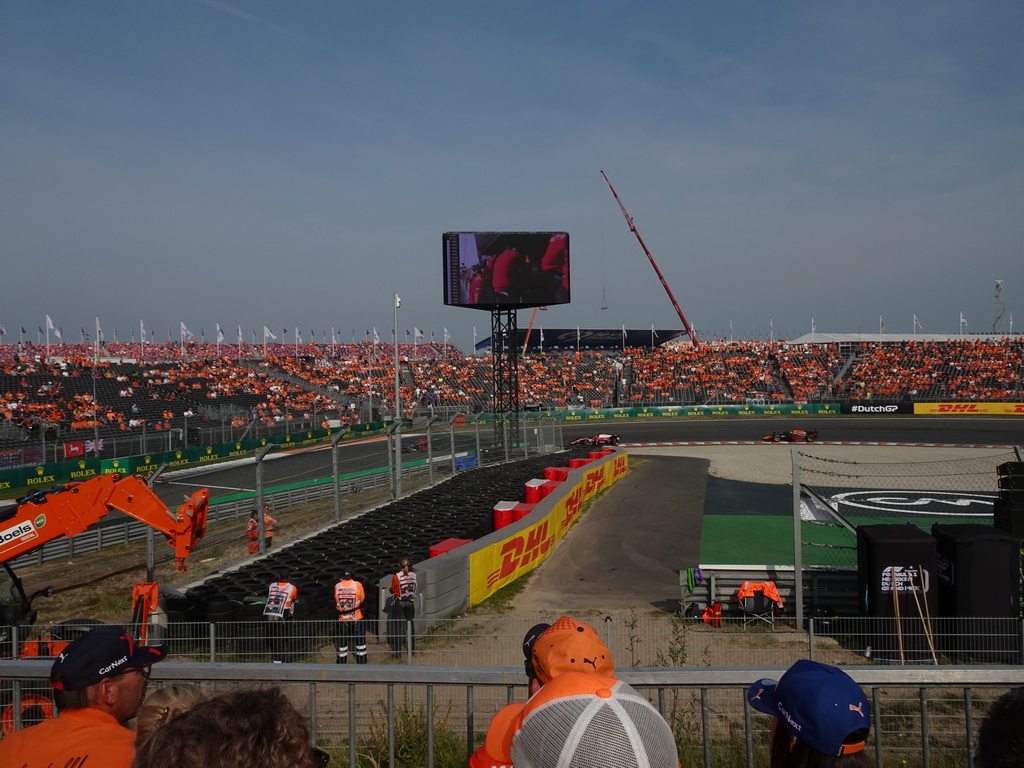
(246, 726)
(1000, 739)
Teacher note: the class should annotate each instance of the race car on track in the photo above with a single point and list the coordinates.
(602, 439)
(792, 436)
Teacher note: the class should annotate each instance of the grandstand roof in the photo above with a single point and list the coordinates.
(556, 339)
(892, 338)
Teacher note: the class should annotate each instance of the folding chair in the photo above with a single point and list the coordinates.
(757, 607)
(758, 601)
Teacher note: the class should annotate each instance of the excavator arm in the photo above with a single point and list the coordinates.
(65, 510)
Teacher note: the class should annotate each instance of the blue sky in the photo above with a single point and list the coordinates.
(251, 162)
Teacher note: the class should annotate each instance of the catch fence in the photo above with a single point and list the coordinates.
(325, 477)
(837, 494)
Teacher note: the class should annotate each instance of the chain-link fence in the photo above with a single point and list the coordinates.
(839, 493)
(316, 486)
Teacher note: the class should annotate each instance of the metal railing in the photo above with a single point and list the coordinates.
(236, 632)
(921, 715)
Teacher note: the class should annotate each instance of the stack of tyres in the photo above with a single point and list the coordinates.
(251, 631)
(220, 612)
(462, 508)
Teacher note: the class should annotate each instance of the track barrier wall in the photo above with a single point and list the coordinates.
(452, 582)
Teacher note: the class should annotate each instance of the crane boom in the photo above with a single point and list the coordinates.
(635, 231)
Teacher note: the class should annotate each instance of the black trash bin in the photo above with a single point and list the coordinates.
(895, 581)
(978, 585)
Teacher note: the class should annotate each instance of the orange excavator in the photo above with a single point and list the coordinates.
(65, 510)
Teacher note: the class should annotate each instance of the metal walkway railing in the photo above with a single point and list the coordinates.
(921, 715)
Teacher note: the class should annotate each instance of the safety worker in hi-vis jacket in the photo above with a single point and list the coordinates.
(348, 597)
(403, 606)
(279, 609)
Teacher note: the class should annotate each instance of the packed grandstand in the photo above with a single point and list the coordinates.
(76, 392)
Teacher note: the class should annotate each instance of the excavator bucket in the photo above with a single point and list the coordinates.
(145, 601)
(190, 526)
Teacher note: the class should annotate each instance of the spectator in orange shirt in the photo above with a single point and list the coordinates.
(99, 681)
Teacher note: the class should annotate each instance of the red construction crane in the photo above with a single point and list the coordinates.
(633, 229)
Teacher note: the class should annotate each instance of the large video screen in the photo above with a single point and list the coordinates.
(505, 270)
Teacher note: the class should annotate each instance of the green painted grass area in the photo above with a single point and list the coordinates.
(747, 539)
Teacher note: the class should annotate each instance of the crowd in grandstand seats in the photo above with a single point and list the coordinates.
(163, 386)
(954, 370)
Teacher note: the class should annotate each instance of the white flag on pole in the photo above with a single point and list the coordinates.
(220, 334)
(268, 334)
(186, 334)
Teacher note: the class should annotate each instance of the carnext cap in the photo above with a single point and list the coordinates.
(569, 645)
(102, 652)
(819, 705)
(586, 721)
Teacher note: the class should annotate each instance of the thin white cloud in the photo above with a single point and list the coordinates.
(231, 10)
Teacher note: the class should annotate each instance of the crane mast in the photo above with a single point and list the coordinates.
(635, 231)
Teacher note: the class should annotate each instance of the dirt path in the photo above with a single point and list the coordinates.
(627, 550)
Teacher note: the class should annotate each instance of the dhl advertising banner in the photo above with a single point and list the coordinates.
(970, 409)
(499, 564)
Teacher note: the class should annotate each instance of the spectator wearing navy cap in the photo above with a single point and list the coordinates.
(822, 718)
(99, 682)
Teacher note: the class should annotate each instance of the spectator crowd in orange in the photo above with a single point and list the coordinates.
(77, 389)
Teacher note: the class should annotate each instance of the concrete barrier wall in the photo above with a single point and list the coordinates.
(450, 583)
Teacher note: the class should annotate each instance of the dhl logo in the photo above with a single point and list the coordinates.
(1018, 408)
(958, 408)
(593, 482)
(620, 466)
(521, 551)
(573, 505)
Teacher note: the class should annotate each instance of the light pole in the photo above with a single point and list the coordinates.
(398, 410)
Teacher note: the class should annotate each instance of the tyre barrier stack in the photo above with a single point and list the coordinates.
(461, 508)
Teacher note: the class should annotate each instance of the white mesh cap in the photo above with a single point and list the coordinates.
(586, 721)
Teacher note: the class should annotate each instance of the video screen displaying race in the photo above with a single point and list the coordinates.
(487, 270)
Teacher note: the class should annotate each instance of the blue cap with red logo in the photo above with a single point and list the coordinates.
(819, 705)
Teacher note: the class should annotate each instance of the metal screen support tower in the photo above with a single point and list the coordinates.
(505, 367)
